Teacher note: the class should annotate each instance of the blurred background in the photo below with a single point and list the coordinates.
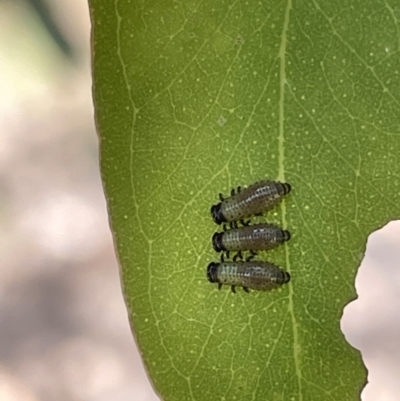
(64, 332)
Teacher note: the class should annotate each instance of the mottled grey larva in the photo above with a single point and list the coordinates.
(255, 199)
(257, 275)
(257, 237)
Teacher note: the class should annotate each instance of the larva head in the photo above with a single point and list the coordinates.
(286, 188)
(217, 242)
(216, 213)
(286, 277)
(212, 272)
(286, 235)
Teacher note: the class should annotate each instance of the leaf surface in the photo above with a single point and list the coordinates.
(196, 97)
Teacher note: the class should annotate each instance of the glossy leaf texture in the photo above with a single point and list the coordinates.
(195, 97)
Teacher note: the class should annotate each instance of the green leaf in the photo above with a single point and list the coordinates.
(196, 97)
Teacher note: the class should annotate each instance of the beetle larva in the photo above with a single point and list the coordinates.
(255, 199)
(257, 275)
(257, 237)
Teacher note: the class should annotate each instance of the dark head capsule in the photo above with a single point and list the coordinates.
(257, 275)
(255, 199)
(212, 272)
(217, 214)
(257, 237)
